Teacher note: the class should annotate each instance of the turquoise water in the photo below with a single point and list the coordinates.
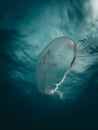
(32, 49)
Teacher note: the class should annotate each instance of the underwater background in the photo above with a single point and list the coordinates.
(26, 28)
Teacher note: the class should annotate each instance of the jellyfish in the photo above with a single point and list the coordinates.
(54, 65)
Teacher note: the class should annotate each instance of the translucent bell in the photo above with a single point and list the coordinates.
(54, 64)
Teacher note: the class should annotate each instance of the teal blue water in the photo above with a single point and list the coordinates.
(27, 97)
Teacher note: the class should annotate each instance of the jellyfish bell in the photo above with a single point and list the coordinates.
(54, 64)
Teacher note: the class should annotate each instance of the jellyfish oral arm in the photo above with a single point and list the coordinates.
(65, 75)
(60, 83)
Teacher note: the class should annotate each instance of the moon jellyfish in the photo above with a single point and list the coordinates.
(54, 64)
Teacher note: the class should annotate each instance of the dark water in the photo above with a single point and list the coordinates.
(26, 27)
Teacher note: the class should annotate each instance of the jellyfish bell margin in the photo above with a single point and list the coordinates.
(54, 65)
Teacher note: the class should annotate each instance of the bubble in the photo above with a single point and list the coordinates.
(54, 64)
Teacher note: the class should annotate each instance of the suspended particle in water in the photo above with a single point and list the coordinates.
(54, 64)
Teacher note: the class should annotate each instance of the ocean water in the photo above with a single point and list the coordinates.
(26, 29)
